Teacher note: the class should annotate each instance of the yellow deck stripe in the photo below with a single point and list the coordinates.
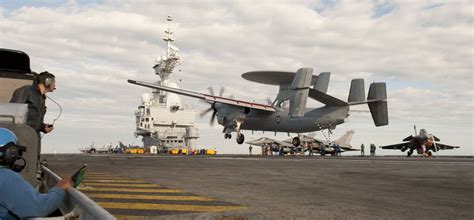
(122, 184)
(167, 207)
(149, 197)
(133, 190)
(106, 178)
(113, 181)
(103, 176)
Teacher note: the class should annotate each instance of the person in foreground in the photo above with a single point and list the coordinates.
(18, 199)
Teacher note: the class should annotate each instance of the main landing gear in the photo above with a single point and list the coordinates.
(240, 137)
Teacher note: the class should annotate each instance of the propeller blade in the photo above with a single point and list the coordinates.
(213, 117)
(205, 112)
(221, 92)
(211, 90)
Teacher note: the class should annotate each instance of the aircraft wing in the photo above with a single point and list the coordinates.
(282, 143)
(210, 98)
(269, 141)
(396, 146)
(445, 147)
(349, 149)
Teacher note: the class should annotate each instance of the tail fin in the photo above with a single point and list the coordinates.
(322, 82)
(377, 101)
(299, 91)
(345, 140)
(122, 145)
(357, 91)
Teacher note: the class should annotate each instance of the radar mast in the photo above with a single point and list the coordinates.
(167, 63)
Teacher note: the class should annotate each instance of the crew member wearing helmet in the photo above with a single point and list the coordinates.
(18, 199)
(34, 96)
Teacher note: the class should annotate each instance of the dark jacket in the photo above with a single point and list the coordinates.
(31, 95)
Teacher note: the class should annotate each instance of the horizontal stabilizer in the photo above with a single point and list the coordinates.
(378, 103)
(322, 82)
(325, 98)
(357, 91)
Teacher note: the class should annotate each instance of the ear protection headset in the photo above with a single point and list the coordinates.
(45, 78)
(10, 152)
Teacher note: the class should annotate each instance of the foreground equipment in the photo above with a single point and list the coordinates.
(15, 72)
(237, 115)
(423, 143)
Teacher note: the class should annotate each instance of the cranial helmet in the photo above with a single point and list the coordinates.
(10, 151)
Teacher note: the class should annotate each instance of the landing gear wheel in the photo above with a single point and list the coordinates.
(240, 138)
(430, 154)
(410, 152)
(227, 136)
(296, 141)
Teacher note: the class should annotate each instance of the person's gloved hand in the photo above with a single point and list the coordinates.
(65, 184)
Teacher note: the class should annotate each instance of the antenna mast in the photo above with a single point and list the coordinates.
(166, 64)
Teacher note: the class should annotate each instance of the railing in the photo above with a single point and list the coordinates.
(75, 202)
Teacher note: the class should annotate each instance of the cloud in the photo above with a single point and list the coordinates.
(421, 49)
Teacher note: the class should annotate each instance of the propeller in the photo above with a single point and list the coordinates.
(213, 108)
(214, 112)
(211, 90)
(221, 92)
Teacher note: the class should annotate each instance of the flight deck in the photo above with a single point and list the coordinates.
(256, 187)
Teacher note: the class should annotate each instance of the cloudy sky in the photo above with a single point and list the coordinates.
(422, 49)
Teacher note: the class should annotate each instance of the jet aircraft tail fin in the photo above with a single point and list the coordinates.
(345, 140)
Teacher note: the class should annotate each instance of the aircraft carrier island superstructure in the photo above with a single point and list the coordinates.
(162, 120)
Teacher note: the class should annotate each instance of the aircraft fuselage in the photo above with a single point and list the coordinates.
(313, 120)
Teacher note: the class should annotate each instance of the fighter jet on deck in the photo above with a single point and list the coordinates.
(423, 143)
(316, 144)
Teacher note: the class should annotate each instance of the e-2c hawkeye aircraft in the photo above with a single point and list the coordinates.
(423, 143)
(237, 115)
